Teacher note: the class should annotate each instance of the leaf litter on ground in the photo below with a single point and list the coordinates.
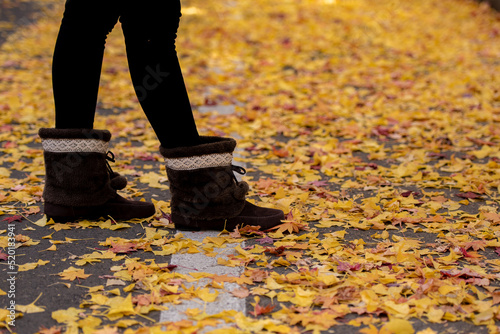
(373, 125)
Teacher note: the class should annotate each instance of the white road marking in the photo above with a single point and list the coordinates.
(225, 300)
(202, 263)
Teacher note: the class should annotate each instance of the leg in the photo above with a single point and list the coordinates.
(79, 182)
(150, 29)
(77, 62)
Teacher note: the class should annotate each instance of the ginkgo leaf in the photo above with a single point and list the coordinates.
(67, 316)
(31, 308)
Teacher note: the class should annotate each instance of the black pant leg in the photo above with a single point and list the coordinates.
(150, 29)
(77, 60)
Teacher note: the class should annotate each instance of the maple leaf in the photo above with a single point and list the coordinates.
(258, 310)
(319, 183)
(247, 230)
(408, 193)
(32, 211)
(241, 292)
(278, 251)
(126, 248)
(469, 195)
(282, 153)
(266, 240)
(170, 267)
(3, 256)
(13, 219)
(73, 273)
(264, 183)
(478, 141)
(51, 330)
(290, 227)
(142, 300)
(258, 275)
(476, 245)
(462, 272)
(344, 266)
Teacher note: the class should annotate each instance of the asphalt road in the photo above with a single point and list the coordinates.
(55, 295)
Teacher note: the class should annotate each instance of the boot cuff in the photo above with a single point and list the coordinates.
(75, 140)
(51, 133)
(208, 146)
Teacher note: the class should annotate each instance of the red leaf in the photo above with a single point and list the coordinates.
(265, 240)
(319, 183)
(344, 266)
(170, 267)
(282, 153)
(13, 218)
(469, 195)
(464, 252)
(123, 248)
(262, 309)
(3, 256)
(249, 230)
(478, 141)
(409, 192)
(275, 250)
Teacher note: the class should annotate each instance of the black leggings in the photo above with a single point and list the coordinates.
(150, 29)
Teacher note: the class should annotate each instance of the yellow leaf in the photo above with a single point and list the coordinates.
(369, 330)
(31, 308)
(399, 326)
(4, 172)
(280, 193)
(205, 295)
(89, 323)
(73, 273)
(427, 331)
(27, 266)
(126, 323)
(446, 289)
(96, 288)
(435, 314)
(272, 284)
(66, 316)
(41, 222)
(120, 306)
(129, 288)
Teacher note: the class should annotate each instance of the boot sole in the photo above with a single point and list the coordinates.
(61, 213)
(186, 224)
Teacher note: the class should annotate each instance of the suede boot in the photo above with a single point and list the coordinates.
(79, 182)
(205, 192)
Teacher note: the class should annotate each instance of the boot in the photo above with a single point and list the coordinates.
(205, 192)
(79, 182)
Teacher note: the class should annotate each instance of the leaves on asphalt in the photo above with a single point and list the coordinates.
(372, 124)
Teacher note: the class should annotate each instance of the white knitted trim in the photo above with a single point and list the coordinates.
(75, 145)
(201, 161)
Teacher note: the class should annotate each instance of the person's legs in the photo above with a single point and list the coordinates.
(150, 30)
(77, 61)
(79, 182)
(205, 193)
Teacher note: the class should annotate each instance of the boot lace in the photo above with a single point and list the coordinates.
(110, 157)
(238, 169)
